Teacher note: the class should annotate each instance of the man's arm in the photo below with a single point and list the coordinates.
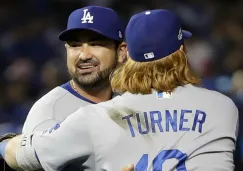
(19, 153)
(10, 152)
(4, 144)
(50, 149)
(54, 148)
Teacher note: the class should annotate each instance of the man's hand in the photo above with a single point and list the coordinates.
(3, 142)
(128, 168)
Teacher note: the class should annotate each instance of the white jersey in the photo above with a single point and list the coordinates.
(54, 107)
(190, 129)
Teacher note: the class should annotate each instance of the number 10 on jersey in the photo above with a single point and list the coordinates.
(158, 161)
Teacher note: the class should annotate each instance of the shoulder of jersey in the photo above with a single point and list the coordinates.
(214, 96)
(52, 96)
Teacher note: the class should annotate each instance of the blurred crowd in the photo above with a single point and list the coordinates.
(33, 60)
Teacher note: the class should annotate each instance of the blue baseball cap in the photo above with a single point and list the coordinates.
(101, 20)
(154, 34)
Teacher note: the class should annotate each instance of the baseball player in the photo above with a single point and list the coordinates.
(94, 48)
(162, 121)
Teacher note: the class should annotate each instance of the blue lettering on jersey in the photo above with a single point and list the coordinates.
(199, 119)
(146, 130)
(169, 121)
(183, 120)
(53, 128)
(154, 121)
(128, 117)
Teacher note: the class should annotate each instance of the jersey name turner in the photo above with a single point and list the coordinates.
(169, 120)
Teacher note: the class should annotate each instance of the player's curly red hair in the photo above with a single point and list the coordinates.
(162, 75)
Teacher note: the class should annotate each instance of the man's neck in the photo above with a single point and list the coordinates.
(95, 94)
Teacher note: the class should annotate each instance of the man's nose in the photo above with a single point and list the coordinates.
(85, 53)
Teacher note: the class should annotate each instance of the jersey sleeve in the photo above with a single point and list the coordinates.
(39, 118)
(63, 143)
(222, 127)
(227, 120)
(218, 143)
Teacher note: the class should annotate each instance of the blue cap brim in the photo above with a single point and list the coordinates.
(186, 34)
(65, 35)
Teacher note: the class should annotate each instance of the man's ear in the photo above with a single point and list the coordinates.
(122, 52)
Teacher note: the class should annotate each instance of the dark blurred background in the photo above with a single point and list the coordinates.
(33, 61)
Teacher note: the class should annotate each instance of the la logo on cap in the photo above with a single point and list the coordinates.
(87, 18)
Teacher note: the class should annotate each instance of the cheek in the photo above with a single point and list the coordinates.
(107, 60)
(71, 58)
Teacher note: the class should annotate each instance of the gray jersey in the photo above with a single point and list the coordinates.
(190, 129)
(53, 107)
